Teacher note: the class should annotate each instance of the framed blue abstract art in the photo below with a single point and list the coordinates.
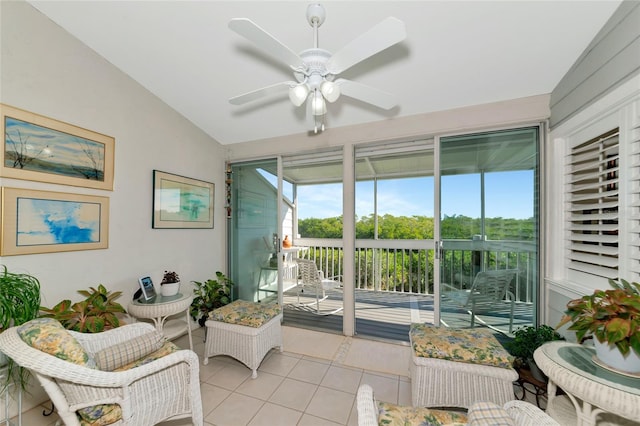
(43, 222)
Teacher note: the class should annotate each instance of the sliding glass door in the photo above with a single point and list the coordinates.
(489, 229)
(254, 235)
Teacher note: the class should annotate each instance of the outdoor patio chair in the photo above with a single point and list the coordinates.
(312, 279)
(128, 375)
(488, 290)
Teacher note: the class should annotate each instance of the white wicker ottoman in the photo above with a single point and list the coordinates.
(245, 331)
(457, 367)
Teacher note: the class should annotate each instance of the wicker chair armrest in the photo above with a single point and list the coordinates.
(366, 405)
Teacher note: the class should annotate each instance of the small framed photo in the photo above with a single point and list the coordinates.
(147, 288)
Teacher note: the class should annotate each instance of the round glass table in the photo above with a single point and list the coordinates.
(595, 393)
(160, 308)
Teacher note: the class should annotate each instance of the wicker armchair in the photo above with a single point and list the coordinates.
(165, 388)
(480, 414)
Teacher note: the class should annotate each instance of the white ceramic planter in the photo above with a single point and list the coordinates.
(170, 289)
(611, 356)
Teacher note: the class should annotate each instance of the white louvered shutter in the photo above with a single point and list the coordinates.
(593, 213)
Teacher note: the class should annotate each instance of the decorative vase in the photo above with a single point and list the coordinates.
(536, 372)
(170, 289)
(610, 356)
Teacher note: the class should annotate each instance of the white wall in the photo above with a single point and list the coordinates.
(47, 71)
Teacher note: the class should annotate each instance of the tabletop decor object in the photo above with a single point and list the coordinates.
(170, 284)
(613, 318)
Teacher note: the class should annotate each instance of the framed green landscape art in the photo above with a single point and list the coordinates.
(181, 202)
(43, 149)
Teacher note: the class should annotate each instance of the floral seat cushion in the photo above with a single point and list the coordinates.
(398, 415)
(475, 346)
(245, 313)
(49, 336)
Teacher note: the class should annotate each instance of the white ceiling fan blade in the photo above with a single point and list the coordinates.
(385, 34)
(265, 41)
(261, 93)
(366, 94)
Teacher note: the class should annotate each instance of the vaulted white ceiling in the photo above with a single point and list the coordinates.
(457, 53)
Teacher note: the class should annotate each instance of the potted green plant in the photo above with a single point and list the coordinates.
(19, 303)
(613, 317)
(525, 342)
(96, 313)
(170, 284)
(209, 295)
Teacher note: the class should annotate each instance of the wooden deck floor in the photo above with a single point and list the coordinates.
(387, 316)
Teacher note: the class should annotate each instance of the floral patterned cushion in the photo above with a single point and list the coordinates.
(100, 415)
(245, 313)
(49, 336)
(475, 346)
(397, 415)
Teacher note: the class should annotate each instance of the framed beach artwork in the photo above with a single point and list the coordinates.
(181, 202)
(43, 222)
(43, 149)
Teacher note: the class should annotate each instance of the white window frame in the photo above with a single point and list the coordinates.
(618, 109)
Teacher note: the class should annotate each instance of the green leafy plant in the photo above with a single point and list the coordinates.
(96, 313)
(19, 303)
(611, 316)
(209, 295)
(170, 277)
(527, 339)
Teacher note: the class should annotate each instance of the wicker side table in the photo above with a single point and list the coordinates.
(160, 309)
(593, 394)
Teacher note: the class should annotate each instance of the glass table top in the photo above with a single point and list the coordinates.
(579, 359)
(160, 299)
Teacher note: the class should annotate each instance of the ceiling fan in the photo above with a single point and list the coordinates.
(315, 69)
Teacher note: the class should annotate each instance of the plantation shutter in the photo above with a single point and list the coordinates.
(593, 181)
(634, 199)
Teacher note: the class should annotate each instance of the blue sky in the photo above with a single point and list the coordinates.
(507, 194)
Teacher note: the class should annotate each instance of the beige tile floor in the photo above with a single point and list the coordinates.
(312, 383)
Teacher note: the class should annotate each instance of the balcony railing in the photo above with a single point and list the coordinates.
(406, 266)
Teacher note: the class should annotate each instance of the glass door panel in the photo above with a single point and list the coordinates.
(253, 232)
(489, 229)
(394, 257)
(312, 219)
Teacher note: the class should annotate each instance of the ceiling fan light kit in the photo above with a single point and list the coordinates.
(315, 69)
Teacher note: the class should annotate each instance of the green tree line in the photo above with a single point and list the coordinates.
(421, 227)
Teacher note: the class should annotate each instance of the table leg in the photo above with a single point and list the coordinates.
(189, 329)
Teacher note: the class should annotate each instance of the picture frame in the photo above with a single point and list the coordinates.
(36, 221)
(180, 202)
(147, 289)
(38, 148)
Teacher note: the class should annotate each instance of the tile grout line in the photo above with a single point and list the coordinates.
(342, 351)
